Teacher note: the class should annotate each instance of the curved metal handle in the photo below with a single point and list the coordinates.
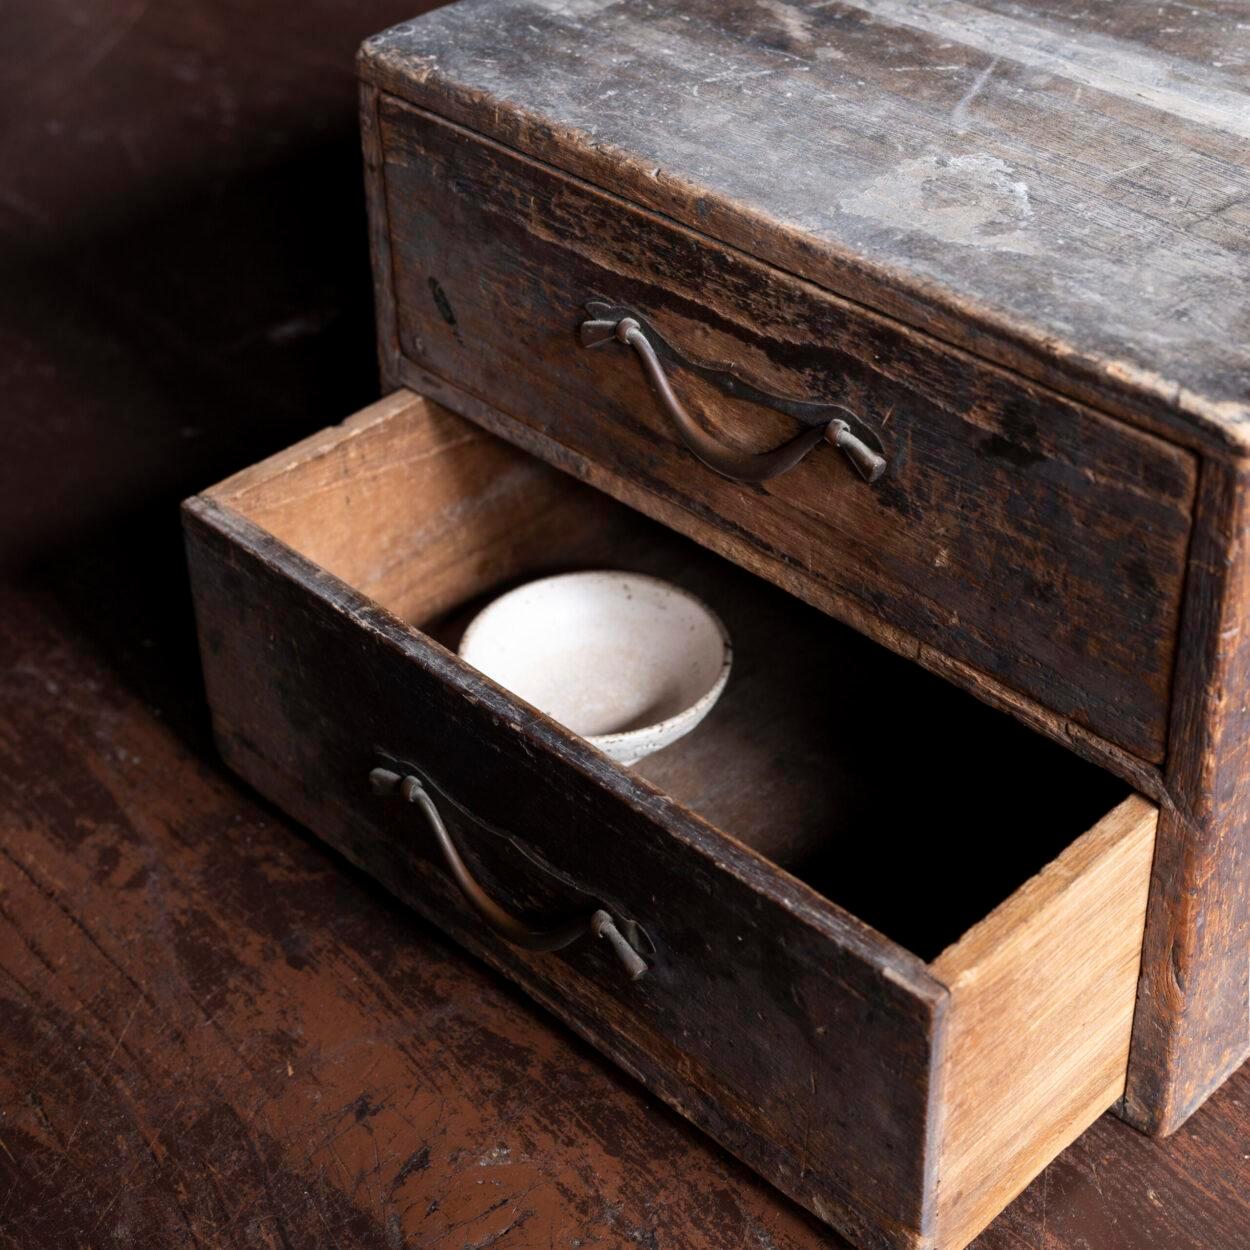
(607, 323)
(513, 929)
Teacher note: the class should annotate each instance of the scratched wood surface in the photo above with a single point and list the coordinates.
(215, 1034)
(1059, 189)
(1083, 520)
(1064, 188)
(754, 977)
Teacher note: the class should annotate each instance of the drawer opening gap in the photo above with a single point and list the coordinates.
(900, 798)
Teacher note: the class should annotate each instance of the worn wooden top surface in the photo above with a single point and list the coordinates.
(1064, 188)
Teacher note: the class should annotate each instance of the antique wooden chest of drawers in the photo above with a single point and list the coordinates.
(912, 336)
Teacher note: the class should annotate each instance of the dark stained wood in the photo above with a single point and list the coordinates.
(736, 941)
(1037, 542)
(1064, 191)
(212, 1032)
(625, 848)
(431, 518)
(1059, 191)
(180, 183)
(1145, 778)
(1193, 1017)
(379, 233)
(217, 1034)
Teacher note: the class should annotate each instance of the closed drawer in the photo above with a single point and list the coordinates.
(1033, 540)
(892, 938)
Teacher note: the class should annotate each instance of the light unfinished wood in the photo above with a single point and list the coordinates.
(426, 514)
(1041, 1012)
(410, 505)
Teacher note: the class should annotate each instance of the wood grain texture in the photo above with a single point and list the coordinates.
(462, 507)
(302, 1059)
(217, 1034)
(668, 1031)
(1193, 1013)
(423, 513)
(379, 238)
(1016, 532)
(1145, 778)
(805, 973)
(1062, 191)
(417, 513)
(1041, 1012)
(208, 155)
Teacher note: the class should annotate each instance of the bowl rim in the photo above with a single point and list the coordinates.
(623, 736)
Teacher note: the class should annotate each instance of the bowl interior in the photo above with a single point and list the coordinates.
(600, 652)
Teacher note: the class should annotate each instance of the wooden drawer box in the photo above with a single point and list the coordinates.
(898, 1041)
(1004, 248)
(726, 263)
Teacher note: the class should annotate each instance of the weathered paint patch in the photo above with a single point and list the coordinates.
(974, 200)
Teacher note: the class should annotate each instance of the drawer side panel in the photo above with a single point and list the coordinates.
(1041, 1013)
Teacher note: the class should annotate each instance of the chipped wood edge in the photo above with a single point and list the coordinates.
(386, 316)
(1192, 1027)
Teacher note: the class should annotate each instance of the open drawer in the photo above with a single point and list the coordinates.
(892, 937)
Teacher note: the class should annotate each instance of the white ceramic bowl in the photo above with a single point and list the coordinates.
(629, 662)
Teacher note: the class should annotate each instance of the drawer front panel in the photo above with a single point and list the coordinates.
(1039, 542)
(800, 1039)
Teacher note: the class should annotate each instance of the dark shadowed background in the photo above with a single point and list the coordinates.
(184, 284)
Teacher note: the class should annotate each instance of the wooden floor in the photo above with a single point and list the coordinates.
(212, 1033)
(216, 1034)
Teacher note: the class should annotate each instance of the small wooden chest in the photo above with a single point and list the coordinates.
(912, 336)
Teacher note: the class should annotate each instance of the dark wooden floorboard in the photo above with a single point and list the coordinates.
(212, 1034)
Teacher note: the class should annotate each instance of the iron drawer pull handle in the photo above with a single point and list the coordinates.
(607, 323)
(599, 923)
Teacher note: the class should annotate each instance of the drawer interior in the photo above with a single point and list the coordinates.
(896, 796)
